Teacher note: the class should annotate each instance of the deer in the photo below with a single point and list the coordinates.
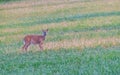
(35, 40)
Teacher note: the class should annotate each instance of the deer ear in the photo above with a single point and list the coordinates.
(46, 29)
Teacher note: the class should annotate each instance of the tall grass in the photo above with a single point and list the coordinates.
(89, 61)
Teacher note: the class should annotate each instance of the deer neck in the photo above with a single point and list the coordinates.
(44, 34)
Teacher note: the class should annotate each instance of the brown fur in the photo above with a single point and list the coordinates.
(34, 39)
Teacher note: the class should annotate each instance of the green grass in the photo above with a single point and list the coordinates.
(90, 61)
(83, 37)
(58, 19)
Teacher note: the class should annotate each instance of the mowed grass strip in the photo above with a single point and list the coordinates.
(110, 22)
(58, 19)
(9, 17)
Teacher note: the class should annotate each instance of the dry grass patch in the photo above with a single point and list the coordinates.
(82, 43)
(70, 6)
(12, 30)
(11, 38)
(25, 4)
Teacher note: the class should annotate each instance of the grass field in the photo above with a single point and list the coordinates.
(83, 37)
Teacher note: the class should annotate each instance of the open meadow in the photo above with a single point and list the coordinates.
(83, 37)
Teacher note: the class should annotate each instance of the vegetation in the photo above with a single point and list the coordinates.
(4, 1)
(83, 37)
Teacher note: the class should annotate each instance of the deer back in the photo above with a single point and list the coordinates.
(34, 39)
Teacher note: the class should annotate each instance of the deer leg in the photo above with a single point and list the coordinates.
(23, 47)
(40, 45)
(25, 43)
(26, 46)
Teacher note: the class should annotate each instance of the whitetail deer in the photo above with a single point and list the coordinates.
(34, 39)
